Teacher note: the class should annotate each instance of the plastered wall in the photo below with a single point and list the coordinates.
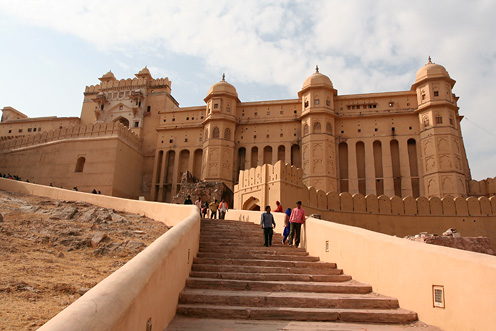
(406, 270)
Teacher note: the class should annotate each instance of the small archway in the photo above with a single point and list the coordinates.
(251, 204)
(122, 120)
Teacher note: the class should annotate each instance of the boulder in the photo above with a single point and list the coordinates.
(97, 238)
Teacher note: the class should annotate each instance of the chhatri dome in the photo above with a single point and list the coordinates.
(144, 73)
(223, 87)
(317, 80)
(431, 70)
(108, 76)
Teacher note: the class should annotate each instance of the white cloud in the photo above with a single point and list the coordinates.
(363, 46)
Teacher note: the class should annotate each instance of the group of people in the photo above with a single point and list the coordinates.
(212, 207)
(9, 176)
(292, 224)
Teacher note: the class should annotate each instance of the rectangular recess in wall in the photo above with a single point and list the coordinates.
(438, 296)
(327, 246)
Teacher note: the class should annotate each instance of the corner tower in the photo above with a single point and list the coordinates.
(441, 145)
(317, 127)
(219, 128)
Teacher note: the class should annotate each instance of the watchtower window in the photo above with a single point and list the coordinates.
(306, 104)
(316, 102)
(216, 105)
(436, 93)
(328, 103)
(80, 164)
(148, 109)
(439, 119)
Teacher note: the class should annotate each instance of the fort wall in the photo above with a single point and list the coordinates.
(473, 216)
(101, 157)
(485, 187)
(406, 270)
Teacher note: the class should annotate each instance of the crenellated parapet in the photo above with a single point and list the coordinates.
(74, 132)
(129, 83)
(485, 187)
(282, 182)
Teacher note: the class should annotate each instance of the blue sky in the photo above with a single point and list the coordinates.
(52, 49)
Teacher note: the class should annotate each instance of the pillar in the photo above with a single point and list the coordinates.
(387, 167)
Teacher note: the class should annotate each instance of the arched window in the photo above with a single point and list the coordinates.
(316, 127)
(329, 127)
(305, 129)
(206, 134)
(80, 164)
(215, 133)
(227, 134)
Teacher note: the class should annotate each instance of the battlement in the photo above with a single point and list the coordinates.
(79, 131)
(128, 83)
(485, 187)
(284, 183)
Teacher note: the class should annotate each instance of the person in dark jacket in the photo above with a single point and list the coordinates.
(267, 223)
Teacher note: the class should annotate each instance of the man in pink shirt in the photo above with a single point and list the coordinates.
(296, 219)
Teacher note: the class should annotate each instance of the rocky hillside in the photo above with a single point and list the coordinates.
(52, 252)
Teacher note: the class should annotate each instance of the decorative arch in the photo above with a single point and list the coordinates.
(122, 120)
(227, 134)
(206, 134)
(305, 129)
(329, 127)
(215, 133)
(316, 127)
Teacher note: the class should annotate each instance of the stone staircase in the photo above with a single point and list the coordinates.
(235, 277)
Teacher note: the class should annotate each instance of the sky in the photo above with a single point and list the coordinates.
(51, 49)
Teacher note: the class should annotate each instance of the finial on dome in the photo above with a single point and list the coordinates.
(316, 68)
(430, 62)
(223, 77)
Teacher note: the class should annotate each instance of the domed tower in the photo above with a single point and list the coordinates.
(219, 128)
(317, 127)
(445, 168)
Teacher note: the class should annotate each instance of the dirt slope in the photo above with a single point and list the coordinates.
(53, 251)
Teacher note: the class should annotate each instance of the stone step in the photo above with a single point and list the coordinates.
(254, 298)
(267, 256)
(238, 239)
(253, 249)
(258, 269)
(279, 277)
(400, 316)
(251, 242)
(264, 263)
(340, 285)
